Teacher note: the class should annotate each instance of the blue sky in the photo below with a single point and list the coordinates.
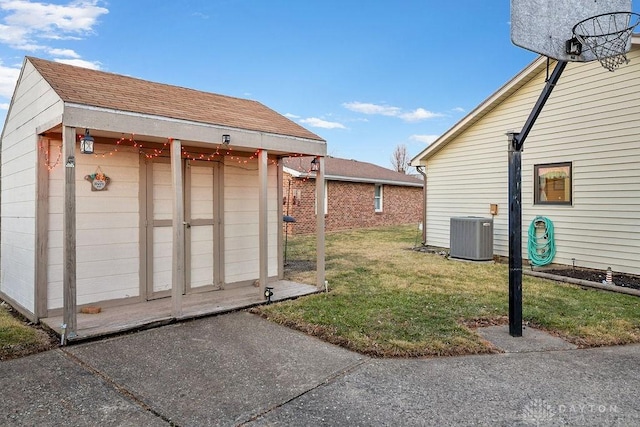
(364, 75)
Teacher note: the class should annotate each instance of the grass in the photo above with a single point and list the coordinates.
(386, 300)
(17, 338)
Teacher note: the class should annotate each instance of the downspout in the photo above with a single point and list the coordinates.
(421, 171)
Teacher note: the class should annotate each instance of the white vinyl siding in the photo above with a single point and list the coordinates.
(241, 237)
(34, 103)
(107, 224)
(591, 120)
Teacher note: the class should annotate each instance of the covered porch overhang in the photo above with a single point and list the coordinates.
(173, 138)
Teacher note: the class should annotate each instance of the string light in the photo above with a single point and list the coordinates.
(46, 151)
(151, 153)
(307, 171)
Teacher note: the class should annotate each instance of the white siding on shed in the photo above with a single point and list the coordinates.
(108, 252)
(241, 221)
(34, 104)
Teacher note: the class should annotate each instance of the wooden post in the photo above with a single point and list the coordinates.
(263, 216)
(218, 227)
(320, 278)
(42, 230)
(280, 221)
(177, 270)
(69, 233)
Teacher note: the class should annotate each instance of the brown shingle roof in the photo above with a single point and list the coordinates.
(337, 168)
(107, 90)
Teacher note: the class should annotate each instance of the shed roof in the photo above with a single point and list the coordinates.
(337, 169)
(94, 88)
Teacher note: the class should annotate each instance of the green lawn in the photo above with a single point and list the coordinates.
(386, 300)
(19, 339)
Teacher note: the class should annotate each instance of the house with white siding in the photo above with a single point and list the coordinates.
(176, 212)
(580, 164)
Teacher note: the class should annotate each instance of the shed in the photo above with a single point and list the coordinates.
(580, 165)
(176, 212)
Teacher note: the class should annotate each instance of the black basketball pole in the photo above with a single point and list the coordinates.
(516, 142)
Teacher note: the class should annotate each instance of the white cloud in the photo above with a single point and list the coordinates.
(4, 106)
(368, 108)
(459, 110)
(427, 139)
(319, 123)
(80, 63)
(419, 115)
(12, 35)
(30, 25)
(28, 20)
(291, 116)
(8, 78)
(68, 53)
(416, 115)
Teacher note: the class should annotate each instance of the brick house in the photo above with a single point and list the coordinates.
(357, 195)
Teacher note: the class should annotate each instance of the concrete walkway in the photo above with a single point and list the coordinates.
(239, 369)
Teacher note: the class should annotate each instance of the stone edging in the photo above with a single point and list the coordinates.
(581, 282)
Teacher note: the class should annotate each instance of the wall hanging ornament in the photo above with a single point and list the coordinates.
(99, 181)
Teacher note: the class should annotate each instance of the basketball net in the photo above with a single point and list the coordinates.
(608, 36)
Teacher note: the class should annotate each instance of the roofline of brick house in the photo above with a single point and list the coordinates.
(307, 175)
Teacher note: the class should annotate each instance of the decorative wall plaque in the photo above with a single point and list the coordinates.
(99, 181)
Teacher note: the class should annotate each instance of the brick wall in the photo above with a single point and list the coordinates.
(350, 205)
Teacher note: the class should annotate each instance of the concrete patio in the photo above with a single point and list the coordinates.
(239, 369)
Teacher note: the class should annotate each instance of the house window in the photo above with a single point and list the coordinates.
(297, 197)
(552, 184)
(377, 198)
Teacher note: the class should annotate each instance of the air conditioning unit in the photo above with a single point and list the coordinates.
(471, 238)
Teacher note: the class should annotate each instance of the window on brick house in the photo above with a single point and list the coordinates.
(377, 199)
(297, 197)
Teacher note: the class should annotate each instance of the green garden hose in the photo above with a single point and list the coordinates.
(542, 248)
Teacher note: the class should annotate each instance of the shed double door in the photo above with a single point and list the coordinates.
(202, 223)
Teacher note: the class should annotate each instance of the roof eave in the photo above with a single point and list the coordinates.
(328, 177)
(85, 116)
(523, 77)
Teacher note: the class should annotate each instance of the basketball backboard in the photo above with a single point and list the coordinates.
(544, 26)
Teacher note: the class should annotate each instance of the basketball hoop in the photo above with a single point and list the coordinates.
(607, 36)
